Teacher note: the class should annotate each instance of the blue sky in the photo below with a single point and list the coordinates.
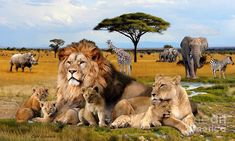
(32, 23)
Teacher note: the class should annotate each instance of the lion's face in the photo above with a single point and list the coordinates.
(48, 108)
(77, 66)
(164, 88)
(91, 95)
(40, 93)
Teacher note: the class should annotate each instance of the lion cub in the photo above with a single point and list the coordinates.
(95, 105)
(152, 117)
(31, 108)
(48, 111)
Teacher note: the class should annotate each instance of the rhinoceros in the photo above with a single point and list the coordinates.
(23, 60)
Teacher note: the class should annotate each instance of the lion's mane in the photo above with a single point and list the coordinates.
(112, 83)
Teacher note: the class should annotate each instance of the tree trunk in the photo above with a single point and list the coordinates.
(135, 51)
(55, 53)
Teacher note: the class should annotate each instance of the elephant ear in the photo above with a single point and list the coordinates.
(204, 43)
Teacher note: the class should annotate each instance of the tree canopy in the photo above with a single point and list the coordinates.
(167, 46)
(133, 26)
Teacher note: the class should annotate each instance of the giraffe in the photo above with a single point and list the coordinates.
(123, 58)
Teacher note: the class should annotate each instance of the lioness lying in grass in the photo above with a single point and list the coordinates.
(164, 88)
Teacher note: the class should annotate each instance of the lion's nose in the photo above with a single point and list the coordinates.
(72, 71)
(153, 94)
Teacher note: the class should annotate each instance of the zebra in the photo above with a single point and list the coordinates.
(221, 66)
(123, 58)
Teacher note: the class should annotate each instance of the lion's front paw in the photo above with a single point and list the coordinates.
(145, 125)
(80, 124)
(193, 127)
(119, 124)
(30, 121)
(114, 125)
(35, 119)
(92, 125)
(189, 131)
(156, 124)
(102, 125)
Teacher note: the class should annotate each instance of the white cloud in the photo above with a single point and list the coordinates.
(148, 2)
(201, 30)
(75, 19)
(60, 12)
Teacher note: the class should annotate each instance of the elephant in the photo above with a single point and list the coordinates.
(192, 50)
(168, 55)
(163, 55)
(173, 55)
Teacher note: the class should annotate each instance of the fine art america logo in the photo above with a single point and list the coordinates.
(216, 123)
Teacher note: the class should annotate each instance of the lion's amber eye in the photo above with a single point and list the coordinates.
(69, 62)
(162, 85)
(82, 62)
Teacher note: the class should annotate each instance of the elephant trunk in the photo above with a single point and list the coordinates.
(197, 63)
(196, 54)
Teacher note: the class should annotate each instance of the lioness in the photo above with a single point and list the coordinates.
(48, 111)
(95, 105)
(152, 117)
(131, 106)
(169, 88)
(31, 108)
(164, 88)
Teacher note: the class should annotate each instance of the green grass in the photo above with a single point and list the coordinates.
(10, 130)
(229, 80)
(217, 93)
(216, 101)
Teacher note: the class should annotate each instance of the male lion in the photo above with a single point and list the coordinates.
(31, 108)
(144, 120)
(95, 105)
(82, 65)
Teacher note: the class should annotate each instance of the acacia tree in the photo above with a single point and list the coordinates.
(55, 45)
(133, 26)
(167, 46)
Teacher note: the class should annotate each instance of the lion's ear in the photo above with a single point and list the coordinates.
(83, 90)
(62, 54)
(46, 89)
(54, 103)
(158, 76)
(95, 54)
(65, 52)
(41, 103)
(96, 89)
(176, 79)
(33, 89)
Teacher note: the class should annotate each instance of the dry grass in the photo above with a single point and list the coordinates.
(148, 67)
(47, 69)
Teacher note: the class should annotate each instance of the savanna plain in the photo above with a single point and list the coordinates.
(216, 108)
